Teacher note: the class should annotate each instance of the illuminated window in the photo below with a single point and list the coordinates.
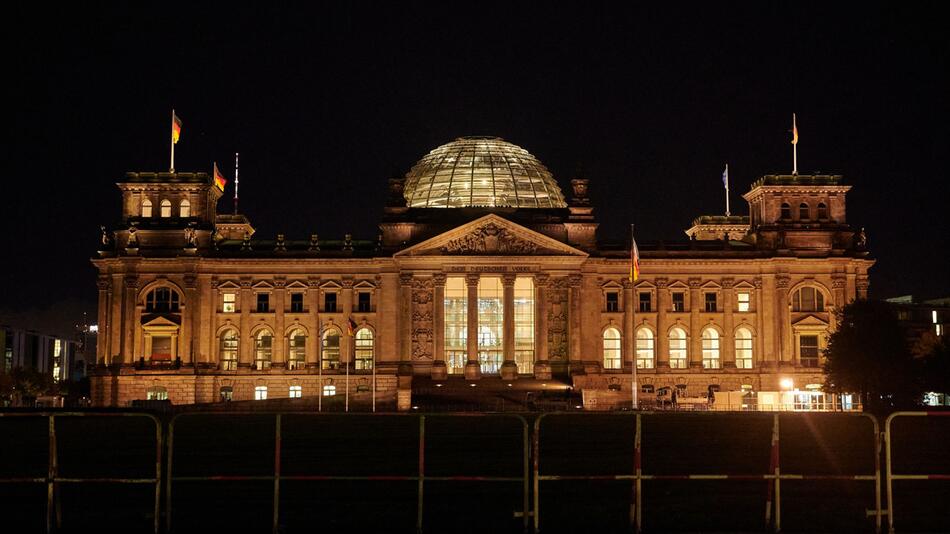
(743, 348)
(646, 302)
(808, 299)
(329, 391)
(296, 303)
(678, 351)
(156, 393)
(786, 211)
(679, 302)
(184, 209)
(710, 349)
(263, 346)
(524, 324)
(744, 299)
(228, 350)
(230, 303)
(295, 392)
(260, 393)
(263, 303)
(803, 211)
(296, 349)
(162, 300)
(364, 349)
(612, 353)
(455, 307)
(330, 349)
(822, 211)
(644, 348)
(146, 208)
(613, 301)
(166, 208)
(808, 351)
(491, 315)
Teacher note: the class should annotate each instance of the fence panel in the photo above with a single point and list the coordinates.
(918, 471)
(88, 456)
(348, 472)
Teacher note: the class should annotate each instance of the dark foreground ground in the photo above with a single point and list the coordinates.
(386, 448)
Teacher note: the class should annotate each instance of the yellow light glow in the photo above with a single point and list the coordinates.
(787, 383)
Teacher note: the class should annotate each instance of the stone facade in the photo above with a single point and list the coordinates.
(188, 308)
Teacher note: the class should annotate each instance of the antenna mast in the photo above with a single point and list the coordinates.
(236, 183)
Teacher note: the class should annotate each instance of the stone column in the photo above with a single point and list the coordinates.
(727, 345)
(246, 343)
(473, 370)
(102, 345)
(439, 369)
(405, 317)
(758, 357)
(279, 356)
(116, 298)
(189, 323)
(783, 329)
(313, 342)
(662, 340)
(629, 334)
(695, 335)
(542, 368)
(137, 343)
(347, 341)
(129, 328)
(509, 369)
(861, 285)
(575, 359)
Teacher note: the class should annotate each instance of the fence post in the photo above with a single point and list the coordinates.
(168, 480)
(51, 476)
(422, 463)
(525, 487)
(277, 445)
(158, 472)
(638, 471)
(537, 471)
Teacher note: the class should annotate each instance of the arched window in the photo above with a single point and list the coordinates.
(162, 300)
(803, 211)
(156, 393)
(228, 350)
(226, 393)
(710, 348)
(146, 208)
(330, 349)
(263, 347)
(678, 352)
(296, 349)
(808, 299)
(743, 348)
(364, 349)
(644, 348)
(184, 209)
(786, 211)
(822, 211)
(166, 208)
(612, 354)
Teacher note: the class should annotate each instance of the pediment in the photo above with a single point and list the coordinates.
(491, 235)
(158, 322)
(810, 320)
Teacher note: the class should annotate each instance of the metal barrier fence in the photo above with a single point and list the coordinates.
(774, 474)
(420, 477)
(890, 475)
(53, 480)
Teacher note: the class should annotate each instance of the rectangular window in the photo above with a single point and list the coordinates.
(260, 393)
(710, 302)
(679, 302)
(329, 391)
(743, 298)
(263, 303)
(295, 392)
(524, 324)
(455, 307)
(491, 315)
(613, 301)
(329, 302)
(646, 302)
(808, 351)
(296, 303)
(230, 303)
(363, 302)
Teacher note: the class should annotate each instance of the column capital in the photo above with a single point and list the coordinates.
(313, 283)
(862, 284)
(508, 280)
(132, 282)
(245, 283)
(103, 283)
(280, 283)
(438, 279)
(757, 282)
(838, 282)
(472, 279)
(626, 283)
(662, 282)
(574, 280)
(542, 280)
(694, 283)
(347, 282)
(728, 283)
(405, 279)
(782, 281)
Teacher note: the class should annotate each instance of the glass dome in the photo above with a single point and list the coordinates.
(481, 172)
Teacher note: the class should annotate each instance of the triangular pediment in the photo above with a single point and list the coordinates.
(491, 235)
(158, 322)
(810, 320)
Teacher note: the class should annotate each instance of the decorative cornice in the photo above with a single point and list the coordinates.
(694, 283)
(662, 282)
(727, 283)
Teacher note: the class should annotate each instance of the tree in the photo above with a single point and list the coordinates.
(869, 355)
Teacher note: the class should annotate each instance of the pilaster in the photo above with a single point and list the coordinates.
(509, 369)
(439, 370)
(473, 370)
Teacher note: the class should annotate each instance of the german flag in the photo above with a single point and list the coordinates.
(219, 180)
(794, 131)
(176, 128)
(634, 259)
(351, 327)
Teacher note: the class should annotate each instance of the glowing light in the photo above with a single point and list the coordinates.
(787, 383)
(473, 385)
(509, 385)
(438, 385)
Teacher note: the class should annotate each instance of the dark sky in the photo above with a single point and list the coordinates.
(325, 105)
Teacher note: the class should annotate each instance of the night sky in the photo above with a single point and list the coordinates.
(324, 106)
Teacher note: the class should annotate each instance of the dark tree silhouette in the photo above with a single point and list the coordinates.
(869, 355)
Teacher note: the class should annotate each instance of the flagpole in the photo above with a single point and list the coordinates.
(236, 182)
(319, 378)
(347, 397)
(633, 309)
(172, 139)
(374, 376)
(727, 189)
(794, 146)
